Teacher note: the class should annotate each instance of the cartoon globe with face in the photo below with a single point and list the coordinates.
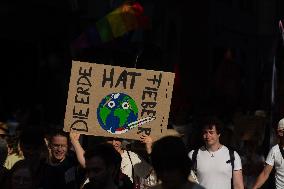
(116, 111)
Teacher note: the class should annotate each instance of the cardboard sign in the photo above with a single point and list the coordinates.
(119, 102)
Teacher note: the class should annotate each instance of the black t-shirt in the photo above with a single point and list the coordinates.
(3, 176)
(63, 175)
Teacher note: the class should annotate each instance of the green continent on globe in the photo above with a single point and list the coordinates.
(133, 106)
(104, 113)
(122, 115)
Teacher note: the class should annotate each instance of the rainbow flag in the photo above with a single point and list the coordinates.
(127, 17)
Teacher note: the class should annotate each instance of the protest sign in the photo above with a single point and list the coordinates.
(114, 101)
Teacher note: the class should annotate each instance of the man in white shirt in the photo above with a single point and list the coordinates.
(213, 162)
(274, 158)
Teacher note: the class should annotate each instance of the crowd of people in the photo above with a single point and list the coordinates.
(31, 159)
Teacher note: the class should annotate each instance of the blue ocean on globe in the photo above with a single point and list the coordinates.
(116, 111)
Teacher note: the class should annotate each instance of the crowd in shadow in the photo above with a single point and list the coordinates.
(33, 156)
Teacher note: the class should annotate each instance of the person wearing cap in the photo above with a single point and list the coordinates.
(275, 158)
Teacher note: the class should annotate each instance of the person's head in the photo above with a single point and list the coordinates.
(58, 145)
(170, 160)
(102, 165)
(4, 132)
(116, 143)
(280, 128)
(31, 143)
(211, 131)
(21, 176)
(3, 151)
(13, 146)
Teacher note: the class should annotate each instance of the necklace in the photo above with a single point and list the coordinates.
(212, 153)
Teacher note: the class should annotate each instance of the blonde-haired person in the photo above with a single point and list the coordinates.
(14, 152)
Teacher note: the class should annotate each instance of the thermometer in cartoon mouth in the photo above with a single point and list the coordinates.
(141, 122)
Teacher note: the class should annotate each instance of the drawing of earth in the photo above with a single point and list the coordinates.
(116, 111)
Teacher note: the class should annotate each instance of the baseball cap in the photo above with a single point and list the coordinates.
(281, 124)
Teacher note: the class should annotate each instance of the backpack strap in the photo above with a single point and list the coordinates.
(281, 150)
(194, 161)
(135, 180)
(232, 161)
(232, 158)
(131, 164)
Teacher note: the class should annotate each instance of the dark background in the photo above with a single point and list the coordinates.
(186, 37)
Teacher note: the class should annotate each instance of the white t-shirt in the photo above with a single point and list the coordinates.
(141, 167)
(274, 158)
(215, 172)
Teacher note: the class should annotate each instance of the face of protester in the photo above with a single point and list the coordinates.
(98, 173)
(280, 132)
(21, 179)
(58, 148)
(116, 144)
(210, 136)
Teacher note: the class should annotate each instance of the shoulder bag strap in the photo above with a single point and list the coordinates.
(281, 150)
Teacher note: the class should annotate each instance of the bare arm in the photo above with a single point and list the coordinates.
(74, 137)
(262, 177)
(238, 179)
(148, 143)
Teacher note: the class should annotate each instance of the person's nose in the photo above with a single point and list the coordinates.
(206, 135)
(60, 149)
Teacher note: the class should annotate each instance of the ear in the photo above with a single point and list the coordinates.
(49, 146)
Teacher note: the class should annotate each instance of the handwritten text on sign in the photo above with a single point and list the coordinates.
(108, 100)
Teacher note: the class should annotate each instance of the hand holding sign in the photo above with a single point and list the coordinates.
(148, 142)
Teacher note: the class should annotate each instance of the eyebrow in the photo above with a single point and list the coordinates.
(209, 130)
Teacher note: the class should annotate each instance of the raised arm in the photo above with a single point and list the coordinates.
(74, 137)
(262, 177)
(148, 142)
